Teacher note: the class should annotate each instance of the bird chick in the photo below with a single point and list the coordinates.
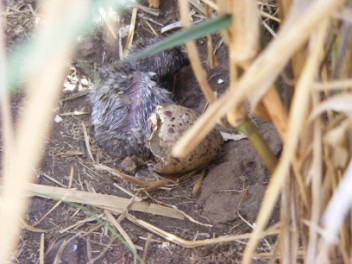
(125, 97)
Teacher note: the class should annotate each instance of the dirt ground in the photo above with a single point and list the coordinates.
(229, 197)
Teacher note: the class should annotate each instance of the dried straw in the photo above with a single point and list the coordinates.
(32, 128)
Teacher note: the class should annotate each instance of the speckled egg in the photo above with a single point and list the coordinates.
(167, 124)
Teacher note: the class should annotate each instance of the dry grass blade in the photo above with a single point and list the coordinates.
(284, 242)
(148, 10)
(198, 183)
(339, 103)
(146, 246)
(87, 141)
(41, 250)
(243, 47)
(77, 224)
(127, 192)
(266, 15)
(198, 6)
(52, 179)
(284, 7)
(108, 202)
(154, 3)
(72, 173)
(122, 231)
(6, 122)
(336, 135)
(211, 4)
(48, 212)
(266, 69)
(210, 45)
(338, 208)
(33, 128)
(193, 55)
(148, 186)
(315, 172)
(276, 111)
(333, 85)
(130, 36)
(296, 121)
(26, 226)
(245, 26)
(198, 243)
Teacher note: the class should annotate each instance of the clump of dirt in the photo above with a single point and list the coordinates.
(229, 197)
(236, 185)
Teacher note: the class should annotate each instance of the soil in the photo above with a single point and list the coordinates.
(229, 197)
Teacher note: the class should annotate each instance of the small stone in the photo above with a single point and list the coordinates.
(129, 165)
(58, 119)
(220, 81)
(66, 251)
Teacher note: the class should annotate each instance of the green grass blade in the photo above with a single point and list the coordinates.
(199, 30)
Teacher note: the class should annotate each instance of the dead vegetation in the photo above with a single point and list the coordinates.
(310, 52)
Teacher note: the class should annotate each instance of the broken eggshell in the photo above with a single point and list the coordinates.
(167, 124)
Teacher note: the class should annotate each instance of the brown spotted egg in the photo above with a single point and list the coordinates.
(168, 123)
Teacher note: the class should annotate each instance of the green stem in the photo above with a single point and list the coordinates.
(349, 138)
(259, 144)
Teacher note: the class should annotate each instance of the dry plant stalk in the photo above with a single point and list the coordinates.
(6, 122)
(197, 243)
(122, 231)
(333, 85)
(42, 249)
(298, 114)
(32, 128)
(109, 202)
(243, 46)
(146, 185)
(276, 111)
(87, 141)
(131, 31)
(193, 55)
(316, 153)
(266, 68)
(210, 46)
(154, 3)
(146, 246)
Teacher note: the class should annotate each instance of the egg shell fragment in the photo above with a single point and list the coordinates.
(168, 124)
